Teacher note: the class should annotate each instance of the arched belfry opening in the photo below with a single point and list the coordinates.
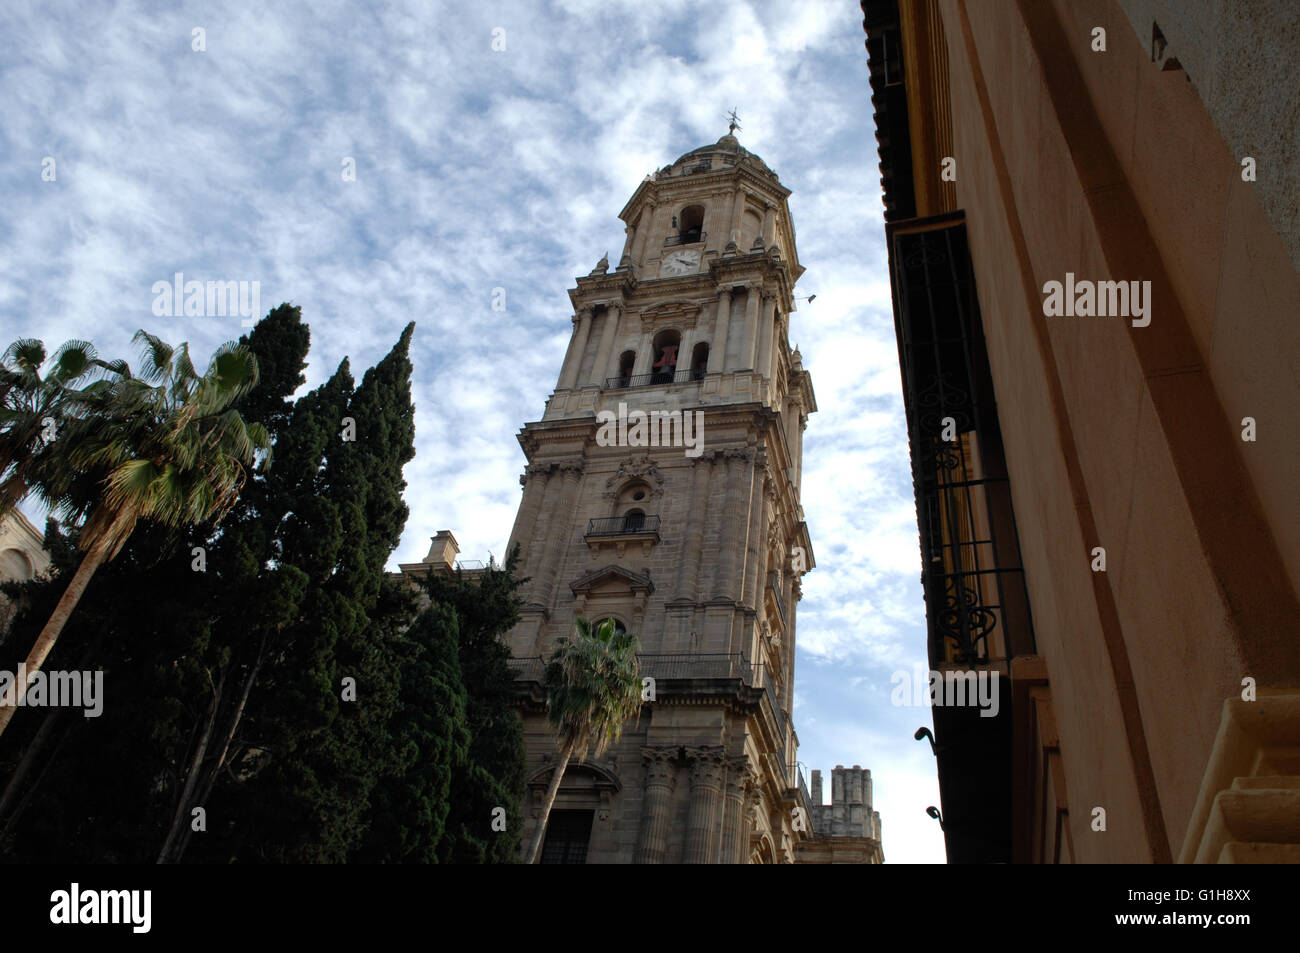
(664, 367)
(690, 225)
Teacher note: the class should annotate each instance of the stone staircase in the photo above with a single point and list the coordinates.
(1248, 811)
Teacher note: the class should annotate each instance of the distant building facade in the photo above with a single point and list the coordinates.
(846, 831)
(1094, 246)
(22, 557)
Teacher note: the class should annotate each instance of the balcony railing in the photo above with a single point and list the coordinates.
(774, 584)
(696, 665)
(763, 681)
(677, 667)
(470, 564)
(685, 238)
(683, 376)
(623, 525)
(661, 666)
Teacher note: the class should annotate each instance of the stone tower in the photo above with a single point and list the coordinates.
(662, 490)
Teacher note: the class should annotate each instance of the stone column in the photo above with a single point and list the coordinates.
(643, 355)
(766, 331)
(628, 242)
(752, 292)
(660, 781)
(732, 533)
(577, 347)
(753, 804)
(560, 530)
(735, 828)
(737, 215)
(693, 536)
(756, 551)
(600, 366)
(544, 499)
(706, 803)
(721, 327)
(534, 481)
(684, 349)
(791, 611)
(645, 225)
(769, 225)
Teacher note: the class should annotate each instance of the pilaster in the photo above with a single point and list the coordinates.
(707, 765)
(660, 781)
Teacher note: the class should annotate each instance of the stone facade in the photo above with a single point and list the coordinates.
(1156, 531)
(846, 831)
(22, 557)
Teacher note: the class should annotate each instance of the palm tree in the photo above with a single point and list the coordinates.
(592, 688)
(33, 409)
(166, 447)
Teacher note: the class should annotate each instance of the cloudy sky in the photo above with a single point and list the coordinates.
(220, 154)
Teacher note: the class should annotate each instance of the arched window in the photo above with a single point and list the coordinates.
(14, 564)
(619, 627)
(626, 361)
(699, 361)
(664, 367)
(690, 224)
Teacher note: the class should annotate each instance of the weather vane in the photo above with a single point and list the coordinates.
(735, 121)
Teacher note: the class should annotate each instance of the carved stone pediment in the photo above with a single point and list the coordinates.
(612, 584)
(613, 581)
(679, 314)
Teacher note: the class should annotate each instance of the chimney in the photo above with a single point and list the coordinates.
(443, 550)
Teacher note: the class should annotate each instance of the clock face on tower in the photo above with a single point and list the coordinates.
(679, 263)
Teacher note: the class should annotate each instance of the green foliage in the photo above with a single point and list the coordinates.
(592, 686)
(430, 739)
(225, 686)
(493, 775)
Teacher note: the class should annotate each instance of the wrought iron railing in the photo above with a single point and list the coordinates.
(623, 525)
(663, 666)
(527, 668)
(763, 680)
(681, 666)
(683, 376)
(977, 605)
(696, 665)
(685, 238)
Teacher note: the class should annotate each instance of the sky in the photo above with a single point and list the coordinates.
(380, 164)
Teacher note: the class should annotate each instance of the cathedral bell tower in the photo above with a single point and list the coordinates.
(662, 490)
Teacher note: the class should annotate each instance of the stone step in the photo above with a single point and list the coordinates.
(1272, 782)
(1234, 852)
(1281, 760)
(1265, 815)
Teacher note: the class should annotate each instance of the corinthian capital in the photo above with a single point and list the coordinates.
(708, 764)
(660, 765)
